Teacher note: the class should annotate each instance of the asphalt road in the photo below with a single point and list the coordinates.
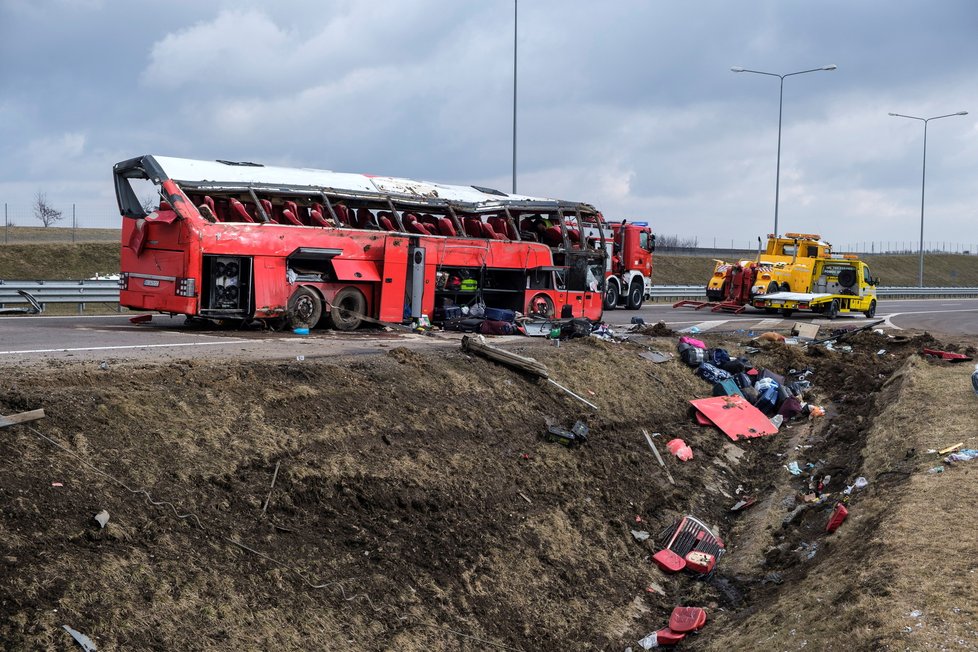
(25, 339)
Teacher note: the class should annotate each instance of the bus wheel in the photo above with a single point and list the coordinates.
(305, 308)
(542, 306)
(833, 310)
(611, 296)
(349, 306)
(636, 294)
(871, 312)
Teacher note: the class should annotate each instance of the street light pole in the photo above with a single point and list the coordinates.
(515, 17)
(923, 181)
(777, 175)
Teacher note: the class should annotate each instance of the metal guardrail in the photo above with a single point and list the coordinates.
(78, 292)
(699, 292)
(107, 291)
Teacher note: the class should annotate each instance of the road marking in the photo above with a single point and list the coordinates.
(120, 348)
(768, 323)
(949, 304)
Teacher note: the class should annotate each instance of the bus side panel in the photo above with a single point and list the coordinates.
(592, 305)
(271, 291)
(393, 283)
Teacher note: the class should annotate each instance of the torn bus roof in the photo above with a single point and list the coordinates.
(191, 172)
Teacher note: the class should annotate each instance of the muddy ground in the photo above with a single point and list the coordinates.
(416, 505)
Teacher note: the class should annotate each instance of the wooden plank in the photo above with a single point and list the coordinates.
(23, 417)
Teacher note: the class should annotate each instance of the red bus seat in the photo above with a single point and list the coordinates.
(317, 218)
(363, 219)
(239, 211)
(291, 213)
(267, 207)
(445, 227)
(552, 237)
(342, 213)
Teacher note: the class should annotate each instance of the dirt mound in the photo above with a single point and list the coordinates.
(415, 504)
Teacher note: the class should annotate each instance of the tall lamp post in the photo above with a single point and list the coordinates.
(923, 179)
(777, 176)
(515, 17)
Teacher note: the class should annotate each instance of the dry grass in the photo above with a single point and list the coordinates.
(58, 261)
(56, 235)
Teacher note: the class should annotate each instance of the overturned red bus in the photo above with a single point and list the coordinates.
(229, 240)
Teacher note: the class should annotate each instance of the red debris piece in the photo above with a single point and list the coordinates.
(141, 319)
(737, 418)
(700, 562)
(838, 515)
(947, 355)
(666, 636)
(669, 561)
(687, 619)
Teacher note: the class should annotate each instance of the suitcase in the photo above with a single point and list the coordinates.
(500, 314)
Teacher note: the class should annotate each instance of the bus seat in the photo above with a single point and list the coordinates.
(239, 211)
(363, 219)
(290, 217)
(445, 227)
(291, 213)
(498, 225)
(551, 237)
(209, 202)
(342, 213)
(428, 218)
(385, 222)
(267, 207)
(317, 218)
(472, 226)
(510, 230)
(165, 206)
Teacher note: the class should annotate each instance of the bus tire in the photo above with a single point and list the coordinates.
(636, 295)
(348, 309)
(611, 295)
(871, 311)
(542, 306)
(305, 308)
(833, 310)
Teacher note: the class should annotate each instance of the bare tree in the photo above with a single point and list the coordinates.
(44, 211)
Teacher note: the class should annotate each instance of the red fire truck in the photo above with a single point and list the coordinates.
(228, 240)
(629, 274)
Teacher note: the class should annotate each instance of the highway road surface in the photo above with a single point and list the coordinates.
(25, 338)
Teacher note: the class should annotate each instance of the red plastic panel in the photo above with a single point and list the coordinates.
(737, 418)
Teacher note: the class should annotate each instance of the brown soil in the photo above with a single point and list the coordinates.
(416, 505)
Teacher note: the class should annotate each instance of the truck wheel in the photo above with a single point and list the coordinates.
(305, 308)
(871, 312)
(787, 312)
(349, 306)
(833, 310)
(773, 287)
(611, 296)
(785, 287)
(636, 295)
(847, 278)
(770, 311)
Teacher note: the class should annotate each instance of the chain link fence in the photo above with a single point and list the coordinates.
(75, 223)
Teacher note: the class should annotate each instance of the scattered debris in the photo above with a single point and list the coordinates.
(950, 356)
(141, 319)
(658, 457)
(936, 469)
(860, 483)
(680, 449)
(949, 449)
(524, 497)
(966, 455)
(839, 514)
(793, 468)
(82, 640)
(682, 621)
(743, 503)
(770, 336)
(640, 535)
(691, 544)
(733, 415)
(576, 436)
(23, 417)
(974, 379)
(271, 487)
(656, 356)
(57, 484)
(807, 331)
(102, 518)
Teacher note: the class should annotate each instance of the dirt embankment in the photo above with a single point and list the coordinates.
(416, 505)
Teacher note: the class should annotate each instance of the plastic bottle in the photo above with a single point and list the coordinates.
(936, 469)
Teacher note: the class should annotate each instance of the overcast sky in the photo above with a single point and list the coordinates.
(629, 105)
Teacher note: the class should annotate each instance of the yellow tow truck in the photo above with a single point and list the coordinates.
(828, 284)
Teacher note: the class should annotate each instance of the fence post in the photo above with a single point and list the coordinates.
(6, 225)
(73, 224)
